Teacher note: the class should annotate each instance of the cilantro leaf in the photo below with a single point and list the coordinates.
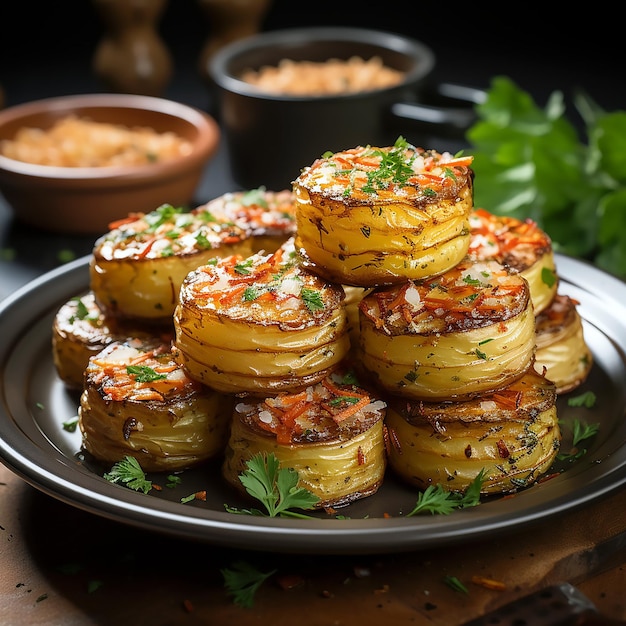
(242, 581)
(129, 473)
(530, 162)
(436, 499)
(312, 299)
(144, 374)
(275, 487)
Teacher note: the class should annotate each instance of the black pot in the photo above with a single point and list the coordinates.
(270, 138)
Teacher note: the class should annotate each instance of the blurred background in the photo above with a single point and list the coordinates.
(56, 48)
(48, 49)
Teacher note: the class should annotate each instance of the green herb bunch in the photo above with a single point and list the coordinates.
(532, 163)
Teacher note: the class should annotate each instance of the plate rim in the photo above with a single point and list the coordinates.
(58, 478)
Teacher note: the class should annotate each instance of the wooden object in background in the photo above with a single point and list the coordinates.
(229, 20)
(131, 56)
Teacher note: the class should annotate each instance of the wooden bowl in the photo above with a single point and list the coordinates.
(85, 200)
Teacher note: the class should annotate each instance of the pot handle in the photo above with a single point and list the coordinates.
(452, 108)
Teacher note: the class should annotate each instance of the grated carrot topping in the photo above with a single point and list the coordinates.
(351, 410)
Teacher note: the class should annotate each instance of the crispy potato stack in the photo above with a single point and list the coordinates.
(376, 260)
(259, 324)
(331, 433)
(379, 216)
(466, 332)
(80, 330)
(512, 434)
(138, 401)
(519, 245)
(267, 217)
(561, 346)
(138, 266)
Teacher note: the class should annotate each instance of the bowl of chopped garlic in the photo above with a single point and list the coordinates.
(75, 164)
(284, 97)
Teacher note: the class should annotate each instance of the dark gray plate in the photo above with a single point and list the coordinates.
(33, 443)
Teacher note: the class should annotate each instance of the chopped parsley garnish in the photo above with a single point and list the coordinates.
(254, 197)
(454, 583)
(202, 241)
(312, 299)
(82, 312)
(548, 276)
(144, 374)
(394, 167)
(243, 268)
(165, 213)
(128, 472)
(70, 425)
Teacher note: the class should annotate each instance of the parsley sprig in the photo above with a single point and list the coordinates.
(312, 299)
(580, 432)
(242, 581)
(128, 472)
(435, 499)
(394, 167)
(275, 487)
(531, 162)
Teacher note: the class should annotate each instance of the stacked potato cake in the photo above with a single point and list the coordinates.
(369, 318)
(114, 342)
(441, 333)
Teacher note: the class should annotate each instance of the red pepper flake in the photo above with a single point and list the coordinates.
(489, 583)
(188, 606)
(360, 456)
(547, 477)
(503, 451)
(290, 581)
(200, 495)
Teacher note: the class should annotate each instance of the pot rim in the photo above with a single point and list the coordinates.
(219, 64)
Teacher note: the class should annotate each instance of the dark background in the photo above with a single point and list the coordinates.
(46, 49)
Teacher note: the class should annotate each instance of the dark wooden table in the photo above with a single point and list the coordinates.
(65, 567)
(61, 566)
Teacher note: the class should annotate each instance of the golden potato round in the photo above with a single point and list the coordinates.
(331, 433)
(373, 216)
(260, 324)
(466, 332)
(137, 268)
(139, 402)
(512, 435)
(519, 245)
(561, 347)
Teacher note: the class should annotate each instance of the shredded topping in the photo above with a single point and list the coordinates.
(512, 242)
(265, 284)
(134, 370)
(318, 412)
(471, 294)
(168, 231)
(370, 173)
